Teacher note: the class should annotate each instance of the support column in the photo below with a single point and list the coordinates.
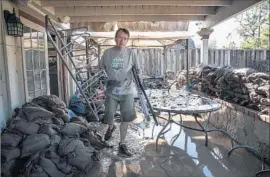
(205, 33)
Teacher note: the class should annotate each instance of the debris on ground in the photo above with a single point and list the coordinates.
(245, 86)
(153, 83)
(43, 140)
(79, 105)
(158, 82)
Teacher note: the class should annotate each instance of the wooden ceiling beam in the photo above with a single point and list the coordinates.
(124, 18)
(133, 10)
(61, 3)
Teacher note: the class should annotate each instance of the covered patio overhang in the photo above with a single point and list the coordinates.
(209, 12)
(142, 16)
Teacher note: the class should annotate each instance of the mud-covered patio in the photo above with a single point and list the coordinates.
(182, 156)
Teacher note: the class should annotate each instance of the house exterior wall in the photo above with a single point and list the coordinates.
(12, 85)
(4, 102)
(13, 80)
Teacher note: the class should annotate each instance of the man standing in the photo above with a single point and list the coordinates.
(118, 62)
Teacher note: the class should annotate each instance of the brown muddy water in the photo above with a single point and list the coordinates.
(185, 156)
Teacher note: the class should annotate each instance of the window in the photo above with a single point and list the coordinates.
(35, 63)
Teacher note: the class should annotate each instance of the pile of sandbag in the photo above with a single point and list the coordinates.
(245, 86)
(42, 140)
(194, 77)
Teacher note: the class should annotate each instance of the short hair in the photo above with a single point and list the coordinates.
(123, 30)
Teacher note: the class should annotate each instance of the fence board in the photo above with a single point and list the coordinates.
(177, 54)
(158, 62)
(155, 62)
(198, 57)
(165, 60)
(268, 55)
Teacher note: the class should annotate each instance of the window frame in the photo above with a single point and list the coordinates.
(39, 29)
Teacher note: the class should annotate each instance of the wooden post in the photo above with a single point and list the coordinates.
(187, 62)
(164, 60)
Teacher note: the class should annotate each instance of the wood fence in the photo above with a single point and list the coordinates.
(155, 61)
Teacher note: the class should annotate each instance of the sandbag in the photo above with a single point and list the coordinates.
(82, 158)
(55, 139)
(65, 117)
(43, 121)
(58, 111)
(265, 101)
(64, 167)
(96, 141)
(30, 104)
(49, 130)
(49, 102)
(221, 71)
(57, 121)
(255, 76)
(232, 78)
(61, 113)
(37, 171)
(24, 127)
(251, 87)
(52, 154)
(68, 145)
(79, 120)
(34, 143)
(244, 71)
(266, 111)
(6, 168)
(60, 163)
(10, 153)
(85, 141)
(73, 129)
(50, 168)
(10, 140)
(264, 90)
(21, 114)
(33, 113)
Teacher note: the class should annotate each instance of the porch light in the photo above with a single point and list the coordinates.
(14, 24)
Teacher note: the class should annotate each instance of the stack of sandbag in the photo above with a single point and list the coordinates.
(259, 90)
(40, 141)
(195, 77)
(54, 104)
(245, 86)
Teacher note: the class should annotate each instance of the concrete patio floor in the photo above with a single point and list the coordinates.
(187, 157)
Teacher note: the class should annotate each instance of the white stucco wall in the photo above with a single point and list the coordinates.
(12, 85)
(4, 104)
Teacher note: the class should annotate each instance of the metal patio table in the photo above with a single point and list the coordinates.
(182, 102)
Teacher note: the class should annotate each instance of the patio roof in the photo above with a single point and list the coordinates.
(102, 15)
